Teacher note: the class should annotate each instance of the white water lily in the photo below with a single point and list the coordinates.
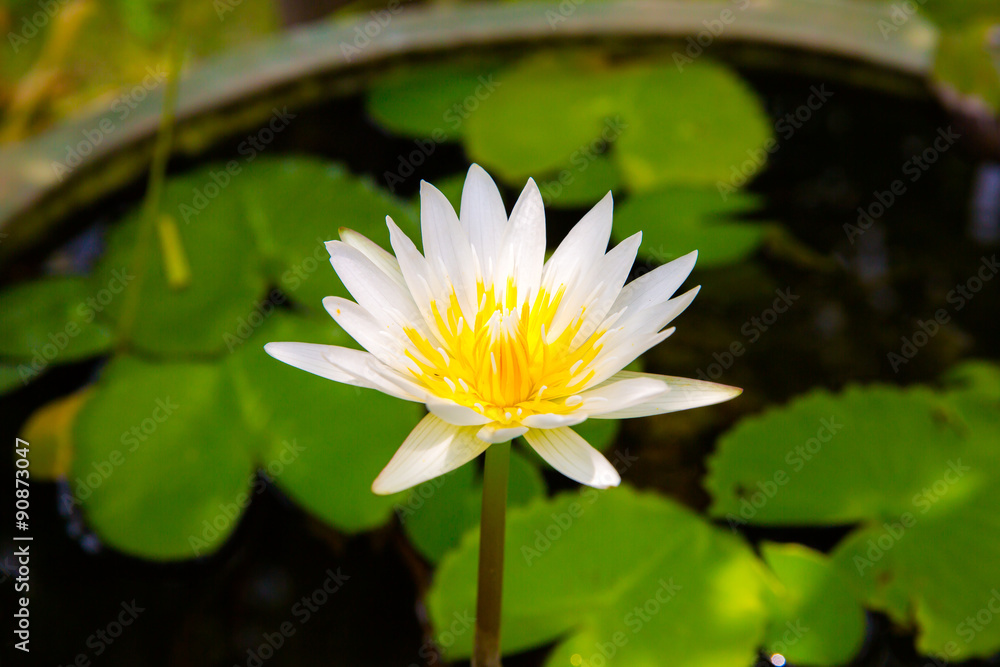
(496, 341)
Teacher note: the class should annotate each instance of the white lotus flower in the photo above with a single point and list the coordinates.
(497, 342)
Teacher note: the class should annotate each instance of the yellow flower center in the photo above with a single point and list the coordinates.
(502, 365)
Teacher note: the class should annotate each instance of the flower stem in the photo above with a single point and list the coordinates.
(491, 538)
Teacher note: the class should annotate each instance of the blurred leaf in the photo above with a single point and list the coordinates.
(917, 469)
(49, 429)
(163, 463)
(438, 512)
(430, 101)
(600, 433)
(52, 320)
(965, 63)
(815, 618)
(226, 277)
(324, 442)
(546, 111)
(583, 184)
(676, 221)
(613, 572)
(296, 205)
(10, 377)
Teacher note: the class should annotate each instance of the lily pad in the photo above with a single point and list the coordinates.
(50, 321)
(583, 183)
(438, 512)
(163, 462)
(323, 442)
(296, 205)
(815, 617)
(617, 575)
(50, 431)
(917, 469)
(676, 221)
(226, 280)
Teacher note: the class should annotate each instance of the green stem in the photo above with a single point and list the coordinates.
(491, 537)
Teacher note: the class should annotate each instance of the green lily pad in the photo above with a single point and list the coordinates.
(917, 469)
(583, 183)
(690, 127)
(162, 466)
(296, 205)
(548, 112)
(676, 221)
(431, 101)
(965, 62)
(438, 512)
(51, 321)
(612, 573)
(815, 617)
(10, 378)
(215, 243)
(323, 442)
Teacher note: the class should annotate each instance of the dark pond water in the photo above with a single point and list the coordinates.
(850, 305)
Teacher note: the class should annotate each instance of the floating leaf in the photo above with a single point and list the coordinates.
(226, 280)
(964, 61)
(614, 572)
(49, 430)
(50, 321)
(10, 377)
(296, 205)
(432, 101)
(690, 127)
(437, 513)
(815, 618)
(917, 469)
(324, 442)
(546, 111)
(676, 221)
(583, 183)
(163, 463)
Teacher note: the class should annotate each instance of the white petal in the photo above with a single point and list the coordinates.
(684, 393)
(380, 295)
(456, 414)
(573, 456)
(653, 318)
(554, 420)
(612, 271)
(382, 340)
(484, 217)
(656, 286)
(447, 247)
(309, 357)
(618, 394)
(433, 448)
(422, 283)
(343, 364)
(496, 433)
(522, 251)
(580, 251)
(380, 257)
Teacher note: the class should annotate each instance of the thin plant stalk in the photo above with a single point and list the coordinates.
(486, 652)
